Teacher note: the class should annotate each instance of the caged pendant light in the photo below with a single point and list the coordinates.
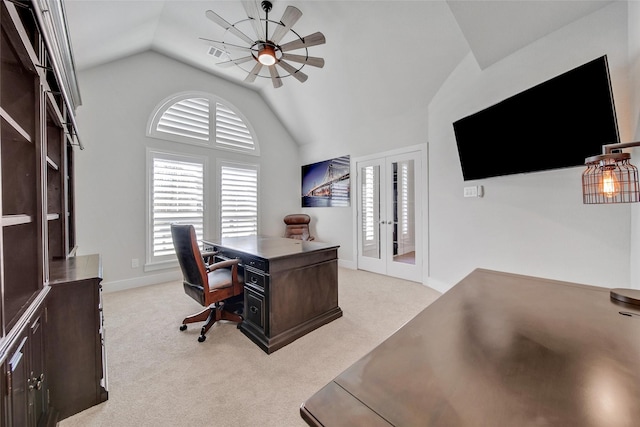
(610, 177)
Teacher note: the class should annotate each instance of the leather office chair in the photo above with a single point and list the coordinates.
(297, 227)
(217, 286)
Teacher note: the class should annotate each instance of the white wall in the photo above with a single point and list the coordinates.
(533, 223)
(634, 72)
(111, 193)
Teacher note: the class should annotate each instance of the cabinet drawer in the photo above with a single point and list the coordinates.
(254, 308)
(254, 278)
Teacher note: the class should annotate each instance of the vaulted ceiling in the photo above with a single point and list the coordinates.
(381, 57)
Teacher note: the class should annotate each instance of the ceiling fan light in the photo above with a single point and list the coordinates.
(267, 55)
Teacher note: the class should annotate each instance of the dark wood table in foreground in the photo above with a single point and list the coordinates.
(497, 349)
(291, 286)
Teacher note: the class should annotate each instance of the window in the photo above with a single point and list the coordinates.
(177, 182)
(177, 194)
(238, 199)
(187, 118)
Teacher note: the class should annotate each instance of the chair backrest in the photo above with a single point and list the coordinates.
(297, 226)
(189, 255)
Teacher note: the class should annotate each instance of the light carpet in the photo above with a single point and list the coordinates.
(159, 376)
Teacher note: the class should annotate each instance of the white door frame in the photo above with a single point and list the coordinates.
(421, 193)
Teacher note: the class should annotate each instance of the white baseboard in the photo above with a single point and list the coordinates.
(347, 264)
(437, 285)
(136, 282)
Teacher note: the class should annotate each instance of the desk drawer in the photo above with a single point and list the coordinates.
(258, 264)
(254, 278)
(254, 308)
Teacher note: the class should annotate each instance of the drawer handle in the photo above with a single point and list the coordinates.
(36, 382)
(253, 309)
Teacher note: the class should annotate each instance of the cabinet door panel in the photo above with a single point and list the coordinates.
(18, 388)
(37, 377)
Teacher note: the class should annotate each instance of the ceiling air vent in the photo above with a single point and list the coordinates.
(217, 53)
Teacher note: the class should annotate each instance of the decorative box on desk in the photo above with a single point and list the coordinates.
(76, 358)
(291, 286)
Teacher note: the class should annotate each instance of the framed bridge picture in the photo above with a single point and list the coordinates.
(326, 184)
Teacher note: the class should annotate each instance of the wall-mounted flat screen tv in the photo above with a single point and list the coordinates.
(553, 125)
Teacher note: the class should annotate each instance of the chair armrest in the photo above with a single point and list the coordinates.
(223, 264)
(207, 254)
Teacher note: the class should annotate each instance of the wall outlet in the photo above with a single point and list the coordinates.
(135, 263)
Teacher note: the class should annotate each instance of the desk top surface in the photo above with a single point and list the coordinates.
(498, 349)
(271, 247)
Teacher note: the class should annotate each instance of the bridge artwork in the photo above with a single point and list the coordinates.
(326, 184)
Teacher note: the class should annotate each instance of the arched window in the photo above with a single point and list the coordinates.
(202, 119)
(177, 180)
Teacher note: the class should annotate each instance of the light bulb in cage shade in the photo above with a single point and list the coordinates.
(610, 186)
(610, 178)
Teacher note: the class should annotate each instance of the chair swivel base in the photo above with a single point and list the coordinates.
(210, 315)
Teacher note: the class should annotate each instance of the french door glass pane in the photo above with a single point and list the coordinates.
(370, 211)
(404, 241)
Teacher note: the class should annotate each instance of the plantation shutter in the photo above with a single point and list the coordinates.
(231, 132)
(238, 201)
(368, 204)
(202, 120)
(404, 197)
(188, 118)
(178, 197)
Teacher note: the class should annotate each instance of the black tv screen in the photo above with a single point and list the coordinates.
(553, 125)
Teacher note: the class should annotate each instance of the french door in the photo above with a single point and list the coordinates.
(389, 215)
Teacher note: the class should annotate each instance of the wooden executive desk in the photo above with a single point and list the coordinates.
(291, 286)
(497, 350)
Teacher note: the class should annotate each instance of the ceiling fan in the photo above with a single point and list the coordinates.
(266, 50)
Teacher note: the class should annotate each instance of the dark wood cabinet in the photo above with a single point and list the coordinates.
(75, 336)
(38, 97)
(25, 388)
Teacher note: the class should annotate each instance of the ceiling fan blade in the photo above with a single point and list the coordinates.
(299, 75)
(235, 61)
(310, 40)
(253, 13)
(251, 77)
(275, 78)
(225, 45)
(224, 24)
(289, 17)
(308, 60)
